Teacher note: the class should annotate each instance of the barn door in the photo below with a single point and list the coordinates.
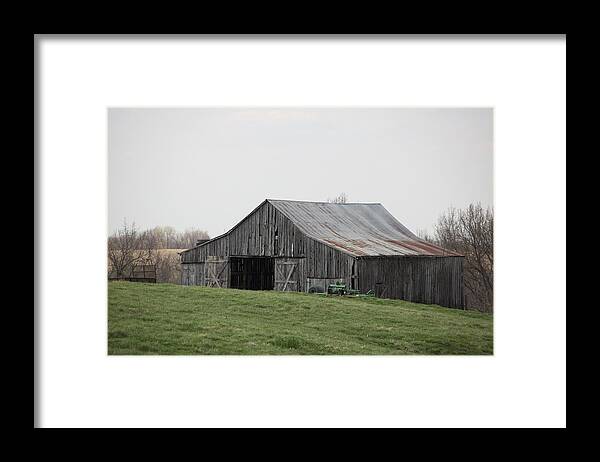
(215, 272)
(287, 274)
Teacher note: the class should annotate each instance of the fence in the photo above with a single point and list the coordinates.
(139, 273)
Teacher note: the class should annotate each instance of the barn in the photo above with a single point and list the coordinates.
(304, 246)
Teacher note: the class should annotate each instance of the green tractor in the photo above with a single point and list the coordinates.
(339, 288)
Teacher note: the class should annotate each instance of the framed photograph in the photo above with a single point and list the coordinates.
(324, 231)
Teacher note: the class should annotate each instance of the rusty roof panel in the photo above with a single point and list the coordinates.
(356, 228)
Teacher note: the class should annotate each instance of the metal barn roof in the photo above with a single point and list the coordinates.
(357, 229)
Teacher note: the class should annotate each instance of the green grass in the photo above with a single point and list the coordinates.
(167, 319)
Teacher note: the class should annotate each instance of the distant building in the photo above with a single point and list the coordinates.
(304, 246)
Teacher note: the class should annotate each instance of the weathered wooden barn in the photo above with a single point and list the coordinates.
(303, 246)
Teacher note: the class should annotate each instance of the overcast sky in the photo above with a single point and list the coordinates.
(208, 168)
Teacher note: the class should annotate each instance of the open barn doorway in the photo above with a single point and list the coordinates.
(251, 273)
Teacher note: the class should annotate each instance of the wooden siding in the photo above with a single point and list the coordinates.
(192, 274)
(431, 280)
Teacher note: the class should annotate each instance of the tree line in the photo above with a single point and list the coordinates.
(129, 247)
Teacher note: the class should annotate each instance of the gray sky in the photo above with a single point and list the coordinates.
(208, 168)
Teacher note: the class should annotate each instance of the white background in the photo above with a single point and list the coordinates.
(523, 384)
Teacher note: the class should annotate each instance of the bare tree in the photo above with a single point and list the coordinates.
(340, 199)
(168, 268)
(128, 248)
(148, 245)
(123, 247)
(470, 231)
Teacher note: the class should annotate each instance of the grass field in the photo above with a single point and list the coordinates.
(167, 319)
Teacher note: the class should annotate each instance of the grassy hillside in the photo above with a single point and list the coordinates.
(180, 320)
